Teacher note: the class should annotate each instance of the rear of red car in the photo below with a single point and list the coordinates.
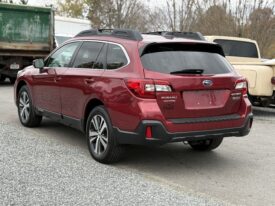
(189, 92)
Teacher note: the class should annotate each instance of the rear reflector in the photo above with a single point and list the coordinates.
(148, 132)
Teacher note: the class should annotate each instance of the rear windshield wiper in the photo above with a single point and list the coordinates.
(188, 71)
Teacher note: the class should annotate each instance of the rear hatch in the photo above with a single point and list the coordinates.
(203, 83)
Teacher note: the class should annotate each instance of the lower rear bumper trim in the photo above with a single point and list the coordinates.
(205, 119)
(162, 136)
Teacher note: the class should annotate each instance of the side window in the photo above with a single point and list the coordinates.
(62, 57)
(115, 57)
(87, 54)
(101, 59)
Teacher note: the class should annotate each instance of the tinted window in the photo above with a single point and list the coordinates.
(167, 58)
(87, 54)
(62, 57)
(101, 59)
(238, 48)
(115, 57)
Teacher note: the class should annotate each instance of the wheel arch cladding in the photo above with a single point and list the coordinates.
(19, 86)
(89, 107)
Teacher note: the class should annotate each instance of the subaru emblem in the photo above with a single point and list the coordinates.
(207, 83)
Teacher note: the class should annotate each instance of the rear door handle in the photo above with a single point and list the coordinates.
(89, 80)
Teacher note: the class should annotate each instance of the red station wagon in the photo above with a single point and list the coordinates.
(122, 87)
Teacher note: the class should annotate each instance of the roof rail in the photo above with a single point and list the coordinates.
(119, 33)
(171, 34)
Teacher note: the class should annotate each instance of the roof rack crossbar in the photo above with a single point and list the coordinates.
(187, 35)
(119, 33)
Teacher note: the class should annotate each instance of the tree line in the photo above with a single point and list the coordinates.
(254, 19)
(12, 1)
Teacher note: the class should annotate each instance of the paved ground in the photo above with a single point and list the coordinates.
(51, 165)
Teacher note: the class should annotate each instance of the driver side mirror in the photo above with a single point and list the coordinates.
(38, 63)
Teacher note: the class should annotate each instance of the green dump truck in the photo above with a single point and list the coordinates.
(26, 33)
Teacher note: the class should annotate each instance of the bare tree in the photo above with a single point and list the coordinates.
(245, 18)
(119, 14)
(180, 14)
(24, 1)
(261, 27)
(216, 21)
(71, 8)
(7, 1)
(12, 2)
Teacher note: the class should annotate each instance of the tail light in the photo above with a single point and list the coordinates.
(242, 85)
(147, 88)
(273, 80)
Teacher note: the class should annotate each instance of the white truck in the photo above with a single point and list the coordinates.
(66, 28)
(244, 55)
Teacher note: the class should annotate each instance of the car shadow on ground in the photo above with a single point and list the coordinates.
(169, 157)
(264, 111)
(5, 84)
(65, 134)
(176, 157)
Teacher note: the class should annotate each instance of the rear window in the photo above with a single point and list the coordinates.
(169, 58)
(238, 48)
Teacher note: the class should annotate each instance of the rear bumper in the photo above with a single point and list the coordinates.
(162, 136)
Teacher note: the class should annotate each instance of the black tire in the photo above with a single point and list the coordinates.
(107, 150)
(12, 80)
(206, 145)
(252, 100)
(25, 103)
(2, 78)
(264, 102)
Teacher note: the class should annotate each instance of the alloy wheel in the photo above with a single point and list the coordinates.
(24, 106)
(98, 134)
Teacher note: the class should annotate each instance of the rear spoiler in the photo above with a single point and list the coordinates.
(194, 46)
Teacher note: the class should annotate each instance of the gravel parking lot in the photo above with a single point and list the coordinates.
(51, 165)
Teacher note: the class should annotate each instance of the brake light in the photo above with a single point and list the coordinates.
(242, 85)
(147, 88)
(273, 80)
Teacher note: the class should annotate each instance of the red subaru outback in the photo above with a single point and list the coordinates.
(121, 87)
